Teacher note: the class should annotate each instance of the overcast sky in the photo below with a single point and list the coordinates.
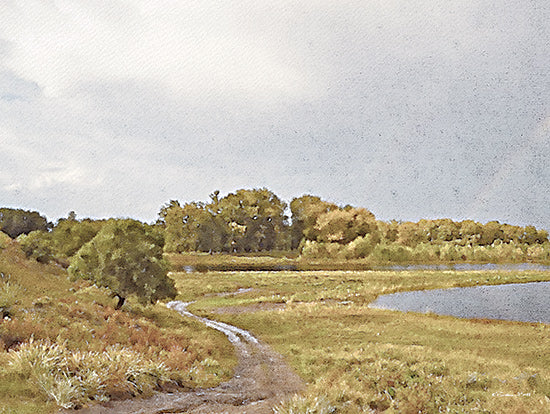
(412, 109)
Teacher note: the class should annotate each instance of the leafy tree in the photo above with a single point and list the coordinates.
(37, 245)
(344, 226)
(255, 219)
(533, 236)
(14, 222)
(126, 257)
(165, 209)
(470, 232)
(491, 232)
(69, 235)
(305, 212)
(410, 234)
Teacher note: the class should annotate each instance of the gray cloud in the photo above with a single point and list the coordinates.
(424, 109)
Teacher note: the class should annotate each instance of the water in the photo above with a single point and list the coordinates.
(525, 302)
(469, 267)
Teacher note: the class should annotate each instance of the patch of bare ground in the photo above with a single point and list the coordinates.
(262, 379)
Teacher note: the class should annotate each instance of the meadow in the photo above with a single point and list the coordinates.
(357, 359)
(62, 343)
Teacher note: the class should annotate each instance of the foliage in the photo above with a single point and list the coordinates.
(62, 242)
(14, 222)
(305, 212)
(4, 240)
(37, 245)
(79, 318)
(344, 226)
(9, 295)
(244, 221)
(126, 257)
(69, 235)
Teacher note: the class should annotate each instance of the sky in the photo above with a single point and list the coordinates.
(424, 109)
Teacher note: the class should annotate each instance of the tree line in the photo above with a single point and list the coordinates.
(255, 221)
(127, 256)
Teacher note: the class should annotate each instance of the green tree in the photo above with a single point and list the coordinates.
(15, 222)
(255, 219)
(126, 257)
(344, 226)
(69, 235)
(411, 234)
(37, 245)
(305, 212)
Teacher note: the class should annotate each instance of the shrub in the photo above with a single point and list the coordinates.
(10, 293)
(304, 405)
(72, 379)
(37, 245)
(4, 240)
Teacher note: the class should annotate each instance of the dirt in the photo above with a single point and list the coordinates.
(262, 379)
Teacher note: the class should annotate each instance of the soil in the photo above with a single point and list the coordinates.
(262, 380)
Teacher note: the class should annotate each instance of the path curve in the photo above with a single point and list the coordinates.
(262, 379)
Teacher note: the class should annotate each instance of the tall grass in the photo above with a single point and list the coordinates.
(74, 378)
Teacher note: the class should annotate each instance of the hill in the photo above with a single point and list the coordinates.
(62, 343)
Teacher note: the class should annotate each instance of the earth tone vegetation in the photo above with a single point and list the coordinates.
(62, 343)
(66, 342)
(357, 359)
(255, 221)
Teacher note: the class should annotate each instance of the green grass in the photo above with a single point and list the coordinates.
(357, 359)
(44, 305)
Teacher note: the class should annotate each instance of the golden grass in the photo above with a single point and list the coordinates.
(80, 319)
(358, 359)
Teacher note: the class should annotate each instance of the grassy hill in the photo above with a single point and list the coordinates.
(62, 343)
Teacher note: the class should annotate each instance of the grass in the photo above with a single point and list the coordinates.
(280, 261)
(356, 359)
(119, 351)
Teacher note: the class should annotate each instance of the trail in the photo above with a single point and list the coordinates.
(262, 379)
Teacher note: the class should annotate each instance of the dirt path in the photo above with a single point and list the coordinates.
(262, 379)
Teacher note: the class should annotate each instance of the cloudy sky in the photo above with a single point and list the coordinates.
(413, 109)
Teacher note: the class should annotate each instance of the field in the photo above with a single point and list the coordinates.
(80, 350)
(356, 359)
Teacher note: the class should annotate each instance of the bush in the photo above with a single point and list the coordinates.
(391, 253)
(10, 294)
(4, 240)
(126, 257)
(305, 405)
(72, 379)
(37, 245)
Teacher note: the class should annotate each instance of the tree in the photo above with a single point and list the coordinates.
(15, 222)
(305, 212)
(344, 226)
(126, 257)
(165, 209)
(69, 235)
(255, 219)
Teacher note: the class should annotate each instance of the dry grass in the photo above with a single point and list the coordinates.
(76, 322)
(358, 359)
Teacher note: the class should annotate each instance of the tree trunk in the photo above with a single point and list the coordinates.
(121, 301)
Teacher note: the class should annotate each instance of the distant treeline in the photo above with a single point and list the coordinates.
(255, 221)
(250, 221)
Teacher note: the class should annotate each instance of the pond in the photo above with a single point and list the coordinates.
(525, 302)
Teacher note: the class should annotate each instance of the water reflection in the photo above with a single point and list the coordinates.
(526, 302)
(469, 267)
